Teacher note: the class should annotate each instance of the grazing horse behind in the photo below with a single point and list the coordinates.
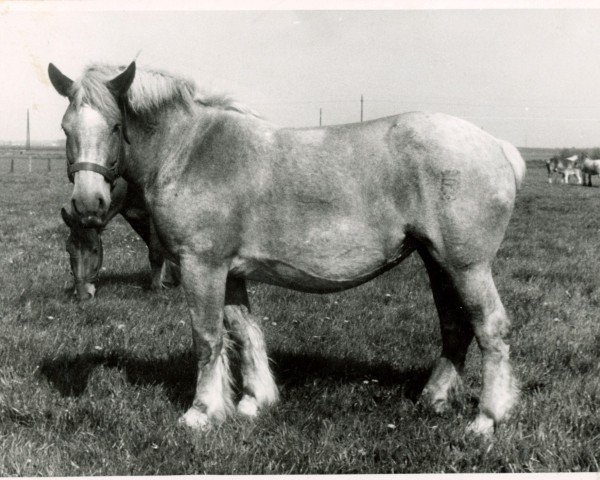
(234, 197)
(589, 167)
(85, 249)
(565, 167)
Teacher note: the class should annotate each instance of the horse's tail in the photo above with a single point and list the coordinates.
(516, 161)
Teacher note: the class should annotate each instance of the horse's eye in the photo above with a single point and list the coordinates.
(116, 128)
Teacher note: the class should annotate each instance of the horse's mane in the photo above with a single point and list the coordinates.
(151, 91)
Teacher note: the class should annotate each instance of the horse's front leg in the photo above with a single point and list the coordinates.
(156, 258)
(259, 389)
(169, 274)
(204, 285)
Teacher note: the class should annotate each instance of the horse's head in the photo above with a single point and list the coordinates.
(85, 254)
(94, 124)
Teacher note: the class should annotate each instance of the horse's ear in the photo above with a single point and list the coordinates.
(121, 83)
(66, 217)
(61, 82)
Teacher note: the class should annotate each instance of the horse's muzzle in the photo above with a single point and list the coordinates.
(85, 291)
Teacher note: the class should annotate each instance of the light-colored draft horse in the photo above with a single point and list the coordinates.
(589, 167)
(233, 197)
(565, 167)
(85, 249)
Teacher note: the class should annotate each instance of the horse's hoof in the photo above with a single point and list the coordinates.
(194, 419)
(247, 406)
(482, 426)
(439, 406)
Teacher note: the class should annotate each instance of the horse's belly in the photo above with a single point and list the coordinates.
(319, 275)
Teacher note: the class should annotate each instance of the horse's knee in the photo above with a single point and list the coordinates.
(491, 332)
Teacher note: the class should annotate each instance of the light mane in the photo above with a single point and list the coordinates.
(151, 92)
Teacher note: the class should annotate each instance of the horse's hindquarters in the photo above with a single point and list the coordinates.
(463, 185)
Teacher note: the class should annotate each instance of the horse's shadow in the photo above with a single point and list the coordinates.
(177, 374)
(70, 374)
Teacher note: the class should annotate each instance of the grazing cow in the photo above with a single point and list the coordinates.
(565, 167)
(589, 167)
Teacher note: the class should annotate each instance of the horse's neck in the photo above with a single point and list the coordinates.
(144, 153)
(166, 141)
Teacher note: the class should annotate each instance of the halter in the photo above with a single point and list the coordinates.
(116, 170)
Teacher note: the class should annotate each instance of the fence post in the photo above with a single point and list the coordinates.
(12, 165)
(49, 166)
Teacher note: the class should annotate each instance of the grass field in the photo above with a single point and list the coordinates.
(96, 389)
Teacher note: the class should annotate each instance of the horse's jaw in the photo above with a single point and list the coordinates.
(92, 221)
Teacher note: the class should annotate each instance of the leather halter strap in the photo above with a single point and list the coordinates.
(109, 173)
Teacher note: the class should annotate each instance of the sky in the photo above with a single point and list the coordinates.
(530, 76)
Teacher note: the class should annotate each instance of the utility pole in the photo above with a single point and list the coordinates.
(28, 141)
(320, 116)
(361, 108)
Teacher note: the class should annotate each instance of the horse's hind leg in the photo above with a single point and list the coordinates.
(491, 326)
(473, 306)
(258, 386)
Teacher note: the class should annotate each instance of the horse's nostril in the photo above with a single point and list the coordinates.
(100, 203)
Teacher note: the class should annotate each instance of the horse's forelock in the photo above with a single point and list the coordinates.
(91, 89)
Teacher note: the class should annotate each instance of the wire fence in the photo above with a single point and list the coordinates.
(36, 161)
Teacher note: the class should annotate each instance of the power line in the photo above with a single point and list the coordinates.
(412, 101)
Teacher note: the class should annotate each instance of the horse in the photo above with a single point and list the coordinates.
(589, 167)
(233, 197)
(565, 167)
(85, 249)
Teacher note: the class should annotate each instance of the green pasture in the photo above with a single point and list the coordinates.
(96, 388)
